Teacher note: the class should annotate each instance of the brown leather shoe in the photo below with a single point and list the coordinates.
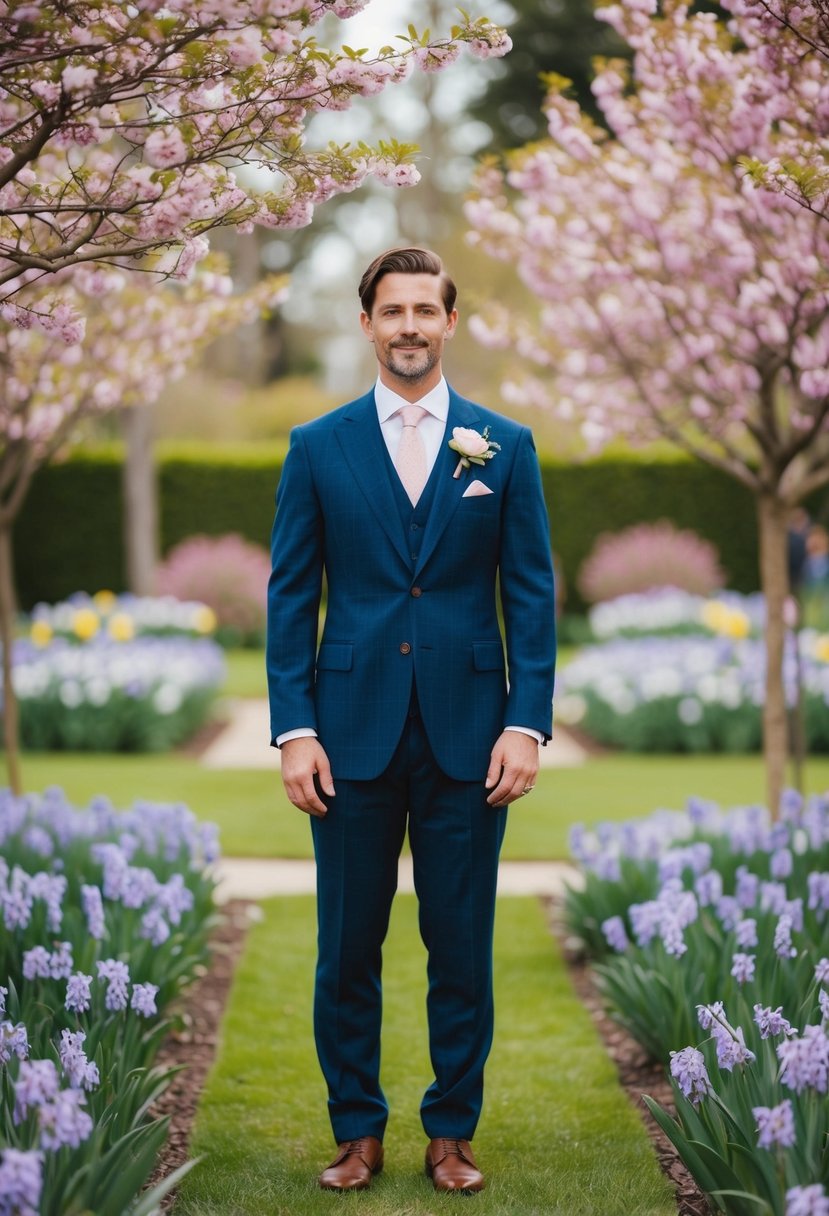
(451, 1166)
(355, 1163)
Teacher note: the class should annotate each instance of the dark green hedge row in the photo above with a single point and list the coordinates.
(68, 537)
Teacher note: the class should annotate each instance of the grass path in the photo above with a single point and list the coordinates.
(558, 1137)
(256, 819)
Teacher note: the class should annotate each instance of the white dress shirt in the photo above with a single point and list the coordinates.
(431, 428)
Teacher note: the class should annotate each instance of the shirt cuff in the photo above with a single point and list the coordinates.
(527, 730)
(301, 732)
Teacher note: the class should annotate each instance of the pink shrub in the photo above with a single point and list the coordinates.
(647, 556)
(227, 573)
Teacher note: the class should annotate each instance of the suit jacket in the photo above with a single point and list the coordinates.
(392, 619)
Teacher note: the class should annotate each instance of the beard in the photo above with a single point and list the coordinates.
(412, 367)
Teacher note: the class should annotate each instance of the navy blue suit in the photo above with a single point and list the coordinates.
(408, 691)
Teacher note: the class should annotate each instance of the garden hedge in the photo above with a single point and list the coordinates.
(68, 537)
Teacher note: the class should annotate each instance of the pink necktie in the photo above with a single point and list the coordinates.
(411, 453)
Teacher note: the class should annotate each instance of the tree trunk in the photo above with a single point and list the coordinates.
(140, 500)
(774, 578)
(11, 726)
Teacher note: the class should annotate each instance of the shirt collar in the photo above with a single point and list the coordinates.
(389, 402)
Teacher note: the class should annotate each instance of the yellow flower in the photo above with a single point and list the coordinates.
(121, 627)
(822, 648)
(204, 619)
(85, 623)
(737, 625)
(41, 633)
(730, 622)
(104, 601)
(712, 615)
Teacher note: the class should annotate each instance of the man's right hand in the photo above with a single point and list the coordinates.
(302, 760)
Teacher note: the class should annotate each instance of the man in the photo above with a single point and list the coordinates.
(403, 714)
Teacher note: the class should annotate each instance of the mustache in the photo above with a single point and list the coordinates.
(398, 345)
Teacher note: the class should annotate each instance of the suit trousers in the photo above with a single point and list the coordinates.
(455, 839)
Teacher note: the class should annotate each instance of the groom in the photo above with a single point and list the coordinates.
(413, 502)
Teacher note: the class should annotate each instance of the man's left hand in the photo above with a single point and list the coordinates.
(513, 767)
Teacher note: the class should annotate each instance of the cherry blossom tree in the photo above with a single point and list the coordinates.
(123, 126)
(139, 337)
(785, 34)
(678, 298)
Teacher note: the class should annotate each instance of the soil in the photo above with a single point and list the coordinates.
(194, 1047)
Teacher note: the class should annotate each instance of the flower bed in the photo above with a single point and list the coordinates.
(689, 694)
(712, 931)
(667, 610)
(142, 695)
(119, 617)
(105, 918)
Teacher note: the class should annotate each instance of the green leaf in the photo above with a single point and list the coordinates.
(149, 1201)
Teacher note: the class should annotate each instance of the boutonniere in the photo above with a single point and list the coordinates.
(474, 447)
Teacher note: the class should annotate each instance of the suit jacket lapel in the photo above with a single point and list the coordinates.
(448, 490)
(363, 447)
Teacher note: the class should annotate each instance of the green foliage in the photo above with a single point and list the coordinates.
(559, 36)
(68, 537)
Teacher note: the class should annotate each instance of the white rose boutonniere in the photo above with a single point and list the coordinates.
(474, 447)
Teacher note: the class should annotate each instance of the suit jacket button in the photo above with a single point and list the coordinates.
(417, 592)
(405, 648)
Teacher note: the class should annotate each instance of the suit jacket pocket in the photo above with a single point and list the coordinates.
(488, 656)
(335, 656)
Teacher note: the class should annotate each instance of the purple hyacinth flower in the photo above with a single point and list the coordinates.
(746, 932)
(21, 1182)
(689, 1071)
(710, 1015)
(805, 1061)
(615, 933)
(742, 968)
(118, 977)
(822, 971)
(81, 1073)
(154, 926)
(807, 1201)
(93, 908)
(61, 962)
(63, 1121)
(36, 963)
(747, 887)
(14, 1041)
(771, 1022)
(783, 947)
(79, 992)
(37, 1082)
(731, 1047)
(781, 863)
(775, 1125)
(143, 999)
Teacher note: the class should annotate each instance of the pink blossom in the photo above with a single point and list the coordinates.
(78, 79)
(468, 442)
(435, 58)
(165, 146)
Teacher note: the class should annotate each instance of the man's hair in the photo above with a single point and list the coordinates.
(405, 261)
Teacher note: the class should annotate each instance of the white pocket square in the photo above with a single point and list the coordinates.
(475, 488)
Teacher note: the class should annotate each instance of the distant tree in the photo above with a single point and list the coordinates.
(548, 36)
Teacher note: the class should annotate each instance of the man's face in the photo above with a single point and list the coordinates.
(409, 325)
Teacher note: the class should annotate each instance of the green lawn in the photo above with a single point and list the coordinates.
(558, 1136)
(245, 674)
(256, 819)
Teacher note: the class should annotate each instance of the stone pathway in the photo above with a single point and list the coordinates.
(254, 878)
(244, 741)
